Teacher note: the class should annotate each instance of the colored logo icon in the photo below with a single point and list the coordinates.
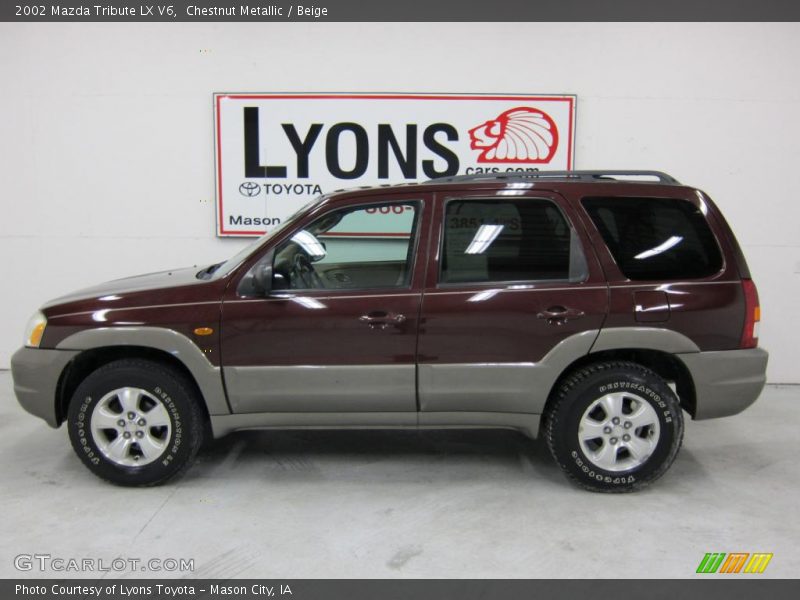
(734, 562)
(519, 135)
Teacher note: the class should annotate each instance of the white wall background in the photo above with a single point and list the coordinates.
(106, 139)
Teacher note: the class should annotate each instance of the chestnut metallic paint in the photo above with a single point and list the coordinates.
(476, 349)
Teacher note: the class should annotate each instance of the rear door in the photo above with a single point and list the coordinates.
(513, 278)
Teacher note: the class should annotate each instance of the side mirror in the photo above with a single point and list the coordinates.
(279, 282)
(262, 278)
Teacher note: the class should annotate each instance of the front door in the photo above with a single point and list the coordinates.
(515, 288)
(338, 331)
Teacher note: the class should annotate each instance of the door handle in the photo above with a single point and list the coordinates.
(381, 319)
(558, 315)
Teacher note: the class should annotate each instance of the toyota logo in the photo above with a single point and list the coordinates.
(250, 189)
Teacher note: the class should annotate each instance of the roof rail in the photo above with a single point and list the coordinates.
(569, 175)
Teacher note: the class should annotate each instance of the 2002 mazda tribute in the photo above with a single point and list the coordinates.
(584, 305)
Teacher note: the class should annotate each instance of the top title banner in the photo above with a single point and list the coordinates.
(275, 152)
(406, 11)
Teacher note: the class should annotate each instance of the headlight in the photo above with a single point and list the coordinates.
(35, 330)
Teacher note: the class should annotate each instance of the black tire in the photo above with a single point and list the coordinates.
(180, 435)
(581, 391)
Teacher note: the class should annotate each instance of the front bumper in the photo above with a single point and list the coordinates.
(36, 372)
(726, 382)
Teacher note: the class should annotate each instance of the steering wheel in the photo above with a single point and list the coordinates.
(303, 275)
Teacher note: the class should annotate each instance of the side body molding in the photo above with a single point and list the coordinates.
(652, 338)
(207, 376)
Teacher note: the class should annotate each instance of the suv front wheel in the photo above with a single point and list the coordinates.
(614, 426)
(135, 422)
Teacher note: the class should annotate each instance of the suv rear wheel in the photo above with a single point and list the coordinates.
(614, 426)
(135, 422)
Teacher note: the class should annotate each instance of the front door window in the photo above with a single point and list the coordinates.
(366, 247)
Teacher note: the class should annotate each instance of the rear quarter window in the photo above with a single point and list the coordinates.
(656, 238)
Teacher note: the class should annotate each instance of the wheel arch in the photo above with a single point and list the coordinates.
(665, 364)
(92, 359)
(103, 345)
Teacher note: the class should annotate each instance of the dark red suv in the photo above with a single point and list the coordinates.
(595, 307)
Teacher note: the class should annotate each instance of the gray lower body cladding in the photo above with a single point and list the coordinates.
(450, 395)
(726, 382)
(314, 388)
(36, 373)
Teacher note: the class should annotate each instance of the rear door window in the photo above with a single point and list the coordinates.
(656, 238)
(526, 239)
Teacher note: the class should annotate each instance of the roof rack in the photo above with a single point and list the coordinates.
(592, 176)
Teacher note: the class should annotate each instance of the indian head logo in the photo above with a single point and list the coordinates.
(519, 135)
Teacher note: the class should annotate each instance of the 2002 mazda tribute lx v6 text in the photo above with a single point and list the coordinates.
(593, 307)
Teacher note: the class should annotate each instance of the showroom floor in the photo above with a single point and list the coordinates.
(407, 504)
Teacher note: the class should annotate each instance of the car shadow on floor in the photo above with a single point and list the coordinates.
(401, 455)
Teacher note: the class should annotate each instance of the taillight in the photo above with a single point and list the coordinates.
(752, 314)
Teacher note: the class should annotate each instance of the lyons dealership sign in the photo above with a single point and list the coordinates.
(275, 152)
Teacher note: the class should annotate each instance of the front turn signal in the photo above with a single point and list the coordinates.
(35, 330)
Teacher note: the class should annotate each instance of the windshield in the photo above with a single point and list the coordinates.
(222, 269)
